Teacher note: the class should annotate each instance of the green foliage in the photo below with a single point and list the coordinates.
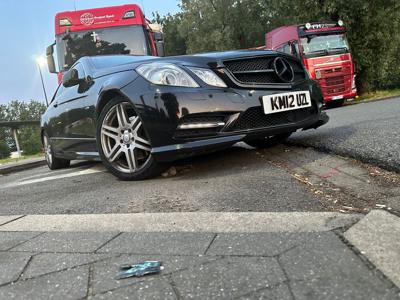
(4, 149)
(214, 25)
(29, 136)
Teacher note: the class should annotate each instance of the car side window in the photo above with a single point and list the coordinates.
(286, 48)
(59, 92)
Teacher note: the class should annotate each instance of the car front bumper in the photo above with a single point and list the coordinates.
(163, 109)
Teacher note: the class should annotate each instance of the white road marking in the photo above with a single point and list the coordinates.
(26, 181)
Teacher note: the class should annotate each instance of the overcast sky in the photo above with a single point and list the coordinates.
(27, 28)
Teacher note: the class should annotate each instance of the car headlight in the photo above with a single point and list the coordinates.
(166, 74)
(208, 76)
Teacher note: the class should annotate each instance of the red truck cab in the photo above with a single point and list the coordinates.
(100, 31)
(325, 53)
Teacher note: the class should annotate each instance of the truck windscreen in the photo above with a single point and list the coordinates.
(320, 45)
(116, 40)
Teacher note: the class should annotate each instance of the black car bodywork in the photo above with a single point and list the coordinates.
(70, 120)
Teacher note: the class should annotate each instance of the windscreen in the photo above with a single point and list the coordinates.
(116, 40)
(320, 45)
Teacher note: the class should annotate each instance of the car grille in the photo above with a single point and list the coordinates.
(259, 70)
(254, 118)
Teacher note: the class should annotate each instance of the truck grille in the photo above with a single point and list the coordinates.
(330, 81)
(259, 70)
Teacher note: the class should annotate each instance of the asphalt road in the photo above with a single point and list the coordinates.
(233, 180)
(369, 132)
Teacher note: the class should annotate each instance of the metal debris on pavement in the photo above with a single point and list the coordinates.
(139, 269)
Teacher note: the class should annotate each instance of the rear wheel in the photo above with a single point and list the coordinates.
(53, 162)
(269, 141)
(124, 146)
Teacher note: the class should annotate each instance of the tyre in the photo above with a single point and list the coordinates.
(123, 144)
(333, 104)
(53, 162)
(269, 141)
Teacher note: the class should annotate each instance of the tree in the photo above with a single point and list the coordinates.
(214, 25)
(29, 136)
(4, 149)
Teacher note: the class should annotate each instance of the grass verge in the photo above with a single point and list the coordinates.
(24, 157)
(379, 95)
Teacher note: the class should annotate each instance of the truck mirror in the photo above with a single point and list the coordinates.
(160, 48)
(158, 36)
(50, 59)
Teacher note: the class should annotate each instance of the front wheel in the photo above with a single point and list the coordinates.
(53, 162)
(269, 141)
(124, 146)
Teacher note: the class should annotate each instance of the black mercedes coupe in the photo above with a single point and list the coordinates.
(138, 113)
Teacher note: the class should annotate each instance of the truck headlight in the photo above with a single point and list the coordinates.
(166, 74)
(208, 76)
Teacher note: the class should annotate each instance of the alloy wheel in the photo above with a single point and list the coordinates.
(123, 139)
(47, 150)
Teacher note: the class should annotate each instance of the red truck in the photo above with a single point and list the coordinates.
(99, 31)
(325, 53)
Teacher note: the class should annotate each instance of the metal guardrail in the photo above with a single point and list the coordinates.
(14, 125)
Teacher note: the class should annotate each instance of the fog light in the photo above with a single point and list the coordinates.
(201, 125)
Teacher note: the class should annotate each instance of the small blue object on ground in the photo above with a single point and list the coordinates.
(140, 269)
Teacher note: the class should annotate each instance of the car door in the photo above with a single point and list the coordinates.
(78, 133)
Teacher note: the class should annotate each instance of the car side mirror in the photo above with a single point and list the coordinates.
(71, 78)
(50, 59)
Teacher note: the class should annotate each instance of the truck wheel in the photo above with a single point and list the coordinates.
(123, 144)
(335, 103)
(53, 162)
(269, 141)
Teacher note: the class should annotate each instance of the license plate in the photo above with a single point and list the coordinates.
(337, 97)
(286, 101)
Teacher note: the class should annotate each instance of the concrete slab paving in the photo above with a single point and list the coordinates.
(66, 242)
(377, 236)
(228, 278)
(184, 243)
(12, 265)
(279, 292)
(9, 240)
(257, 244)
(152, 289)
(314, 265)
(71, 284)
(104, 272)
(44, 263)
(323, 264)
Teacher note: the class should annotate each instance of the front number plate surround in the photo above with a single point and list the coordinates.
(275, 103)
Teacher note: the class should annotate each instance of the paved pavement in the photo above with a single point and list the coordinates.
(23, 164)
(367, 131)
(315, 264)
